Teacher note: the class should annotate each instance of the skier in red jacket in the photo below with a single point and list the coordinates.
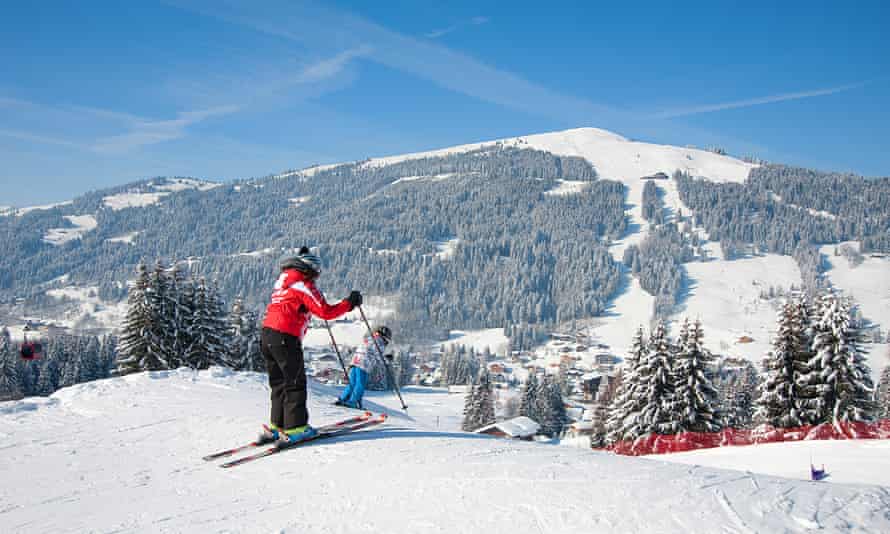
(294, 301)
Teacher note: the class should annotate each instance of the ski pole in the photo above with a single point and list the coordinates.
(337, 350)
(389, 373)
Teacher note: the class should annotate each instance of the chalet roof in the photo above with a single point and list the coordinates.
(518, 427)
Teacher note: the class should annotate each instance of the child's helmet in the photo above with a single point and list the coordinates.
(385, 333)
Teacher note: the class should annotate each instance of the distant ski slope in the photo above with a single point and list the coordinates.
(124, 454)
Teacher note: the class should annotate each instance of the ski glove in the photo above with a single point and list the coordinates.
(355, 299)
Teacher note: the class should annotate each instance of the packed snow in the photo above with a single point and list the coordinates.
(82, 224)
(847, 461)
(123, 454)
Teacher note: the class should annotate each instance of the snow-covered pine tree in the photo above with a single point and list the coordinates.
(482, 410)
(807, 381)
(778, 404)
(847, 390)
(244, 352)
(138, 352)
(657, 386)
(180, 323)
(469, 420)
(528, 405)
(739, 393)
(624, 411)
(694, 394)
(208, 335)
(10, 384)
(883, 394)
(551, 408)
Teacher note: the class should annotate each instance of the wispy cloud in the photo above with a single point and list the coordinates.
(475, 21)
(42, 139)
(330, 67)
(709, 108)
(149, 132)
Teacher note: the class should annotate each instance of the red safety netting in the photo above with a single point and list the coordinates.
(689, 441)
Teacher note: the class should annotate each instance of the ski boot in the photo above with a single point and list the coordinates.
(268, 435)
(288, 438)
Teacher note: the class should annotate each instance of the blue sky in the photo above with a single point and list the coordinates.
(95, 94)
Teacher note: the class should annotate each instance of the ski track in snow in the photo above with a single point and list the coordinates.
(124, 455)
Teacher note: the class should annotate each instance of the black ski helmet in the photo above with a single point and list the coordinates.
(305, 261)
(385, 333)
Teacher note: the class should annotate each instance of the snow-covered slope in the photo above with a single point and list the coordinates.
(847, 461)
(124, 455)
(81, 224)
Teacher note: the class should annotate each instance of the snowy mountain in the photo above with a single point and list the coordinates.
(123, 454)
(398, 215)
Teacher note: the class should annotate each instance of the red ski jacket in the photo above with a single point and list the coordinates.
(294, 301)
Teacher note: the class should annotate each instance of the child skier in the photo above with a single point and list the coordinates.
(366, 357)
(294, 301)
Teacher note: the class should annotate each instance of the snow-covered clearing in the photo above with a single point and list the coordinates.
(174, 185)
(123, 454)
(493, 338)
(350, 329)
(847, 461)
(141, 198)
(296, 201)
(445, 249)
(89, 309)
(868, 283)
(21, 211)
(132, 200)
(255, 253)
(567, 187)
(127, 238)
(725, 296)
(82, 224)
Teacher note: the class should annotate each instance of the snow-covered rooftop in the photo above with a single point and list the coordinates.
(518, 427)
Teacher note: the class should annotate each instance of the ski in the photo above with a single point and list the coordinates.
(254, 444)
(275, 449)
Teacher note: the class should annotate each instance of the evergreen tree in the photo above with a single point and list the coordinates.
(208, 333)
(551, 408)
(528, 405)
(806, 378)
(883, 394)
(244, 352)
(657, 386)
(846, 389)
(778, 404)
(10, 384)
(138, 352)
(694, 393)
(469, 420)
(479, 407)
(624, 413)
(738, 393)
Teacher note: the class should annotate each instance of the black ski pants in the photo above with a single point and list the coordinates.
(287, 378)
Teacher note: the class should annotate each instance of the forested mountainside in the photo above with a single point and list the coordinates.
(480, 241)
(491, 235)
